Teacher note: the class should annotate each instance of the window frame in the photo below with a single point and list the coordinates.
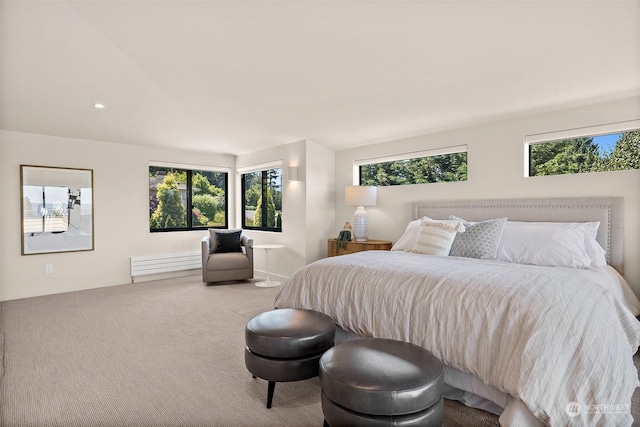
(190, 169)
(575, 133)
(357, 164)
(263, 169)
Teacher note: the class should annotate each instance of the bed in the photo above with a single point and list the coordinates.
(538, 337)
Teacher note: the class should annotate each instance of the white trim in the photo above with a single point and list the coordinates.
(411, 155)
(190, 167)
(605, 129)
(259, 167)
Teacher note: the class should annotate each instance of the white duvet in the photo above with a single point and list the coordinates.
(552, 337)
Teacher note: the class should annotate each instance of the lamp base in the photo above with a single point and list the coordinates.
(360, 225)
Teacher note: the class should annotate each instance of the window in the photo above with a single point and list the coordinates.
(594, 150)
(262, 199)
(172, 189)
(449, 164)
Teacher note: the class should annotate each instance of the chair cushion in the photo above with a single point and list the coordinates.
(228, 261)
(381, 377)
(290, 333)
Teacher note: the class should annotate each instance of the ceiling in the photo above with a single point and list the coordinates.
(238, 76)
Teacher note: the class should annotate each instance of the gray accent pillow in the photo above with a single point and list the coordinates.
(479, 239)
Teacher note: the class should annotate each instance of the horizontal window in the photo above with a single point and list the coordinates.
(444, 165)
(187, 199)
(595, 152)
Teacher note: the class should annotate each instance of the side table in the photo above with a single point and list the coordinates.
(353, 247)
(268, 283)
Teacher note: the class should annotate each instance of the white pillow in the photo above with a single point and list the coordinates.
(557, 244)
(436, 237)
(407, 241)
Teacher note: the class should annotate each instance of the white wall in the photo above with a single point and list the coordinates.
(121, 227)
(282, 262)
(320, 200)
(313, 207)
(496, 170)
(307, 205)
(121, 212)
(2, 205)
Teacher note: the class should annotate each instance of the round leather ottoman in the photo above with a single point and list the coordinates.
(381, 382)
(286, 345)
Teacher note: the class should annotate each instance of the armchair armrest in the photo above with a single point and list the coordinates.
(206, 250)
(247, 242)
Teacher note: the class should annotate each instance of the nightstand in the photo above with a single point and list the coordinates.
(353, 247)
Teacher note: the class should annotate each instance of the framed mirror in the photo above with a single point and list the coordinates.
(57, 209)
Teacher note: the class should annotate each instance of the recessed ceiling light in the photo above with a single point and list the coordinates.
(100, 106)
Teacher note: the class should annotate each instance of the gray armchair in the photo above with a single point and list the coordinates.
(221, 267)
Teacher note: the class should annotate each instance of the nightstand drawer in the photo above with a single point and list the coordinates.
(352, 247)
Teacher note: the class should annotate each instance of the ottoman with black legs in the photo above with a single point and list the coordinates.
(286, 345)
(380, 382)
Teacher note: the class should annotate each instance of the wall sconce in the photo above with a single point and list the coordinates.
(292, 173)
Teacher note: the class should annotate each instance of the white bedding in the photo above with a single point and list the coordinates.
(548, 336)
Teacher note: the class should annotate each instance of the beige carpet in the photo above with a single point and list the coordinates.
(164, 353)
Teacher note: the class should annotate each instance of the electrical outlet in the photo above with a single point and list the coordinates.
(48, 268)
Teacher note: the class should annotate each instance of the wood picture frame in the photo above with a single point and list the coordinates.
(56, 207)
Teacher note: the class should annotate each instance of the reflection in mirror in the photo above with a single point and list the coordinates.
(57, 209)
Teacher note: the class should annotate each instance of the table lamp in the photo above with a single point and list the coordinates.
(360, 196)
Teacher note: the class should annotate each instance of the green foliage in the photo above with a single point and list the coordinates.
(343, 237)
(201, 183)
(567, 156)
(257, 216)
(206, 204)
(271, 213)
(442, 168)
(180, 175)
(217, 179)
(207, 198)
(626, 154)
(205, 211)
(581, 155)
(276, 194)
(197, 218)
(252, 195)
(255, 184)
(170, 212)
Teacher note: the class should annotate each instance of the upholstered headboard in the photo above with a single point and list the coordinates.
(607, 210)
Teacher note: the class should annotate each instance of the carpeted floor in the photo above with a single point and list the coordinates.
(163, 353)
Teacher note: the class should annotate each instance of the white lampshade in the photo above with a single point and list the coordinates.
(360, 196)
